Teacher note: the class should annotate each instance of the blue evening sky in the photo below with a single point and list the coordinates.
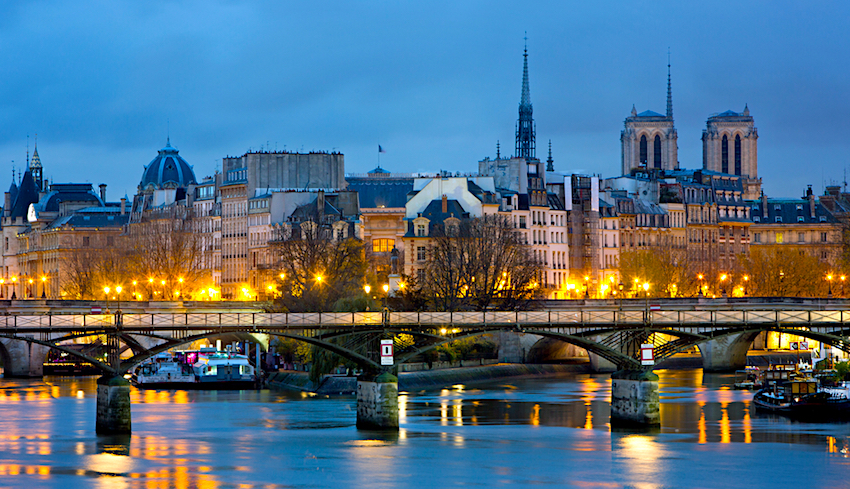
(436, 84)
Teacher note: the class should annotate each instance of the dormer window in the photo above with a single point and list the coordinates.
(800, 219)
(778, 218)
(799, 207)
(777, 207)
(756, 219)
(822, 219)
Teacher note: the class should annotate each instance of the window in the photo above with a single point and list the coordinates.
(522, 222)
(656, 152)
(383, 245)
(779, 238)
(86, 241)
(420, 230)
(822, 219)
(724, 155)
(823, 237)
(777, 207)
(801, 237)
(756, 219)
(420, 253)
(778, 218)
(643, 151)
(420, 275)
(799, 207)
(757, 237)
(737, 154)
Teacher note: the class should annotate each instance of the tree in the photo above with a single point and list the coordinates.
(784, 272)
(319, 268)
(667, 272)
(165, 248)
(480, 264)
(79, 279)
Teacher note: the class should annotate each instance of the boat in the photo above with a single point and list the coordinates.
(206, 368)
(164, 371)
(748, 378)
(794, 395)
(224, 370)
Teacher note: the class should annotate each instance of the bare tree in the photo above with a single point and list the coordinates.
(319, 268)
(167, 250)
(80, 274)
(480, 264)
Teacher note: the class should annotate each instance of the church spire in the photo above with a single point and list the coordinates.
(525, 132)
(35, 166)
(550, 163)
(669, 90)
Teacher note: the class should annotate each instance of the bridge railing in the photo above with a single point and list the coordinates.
(588, 318)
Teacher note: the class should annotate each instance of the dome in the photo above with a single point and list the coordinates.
(167, 170)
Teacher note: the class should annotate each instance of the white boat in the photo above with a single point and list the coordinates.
(224, 369)
(206, 368)
(163, 371)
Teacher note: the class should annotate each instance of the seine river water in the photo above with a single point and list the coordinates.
(551, 431)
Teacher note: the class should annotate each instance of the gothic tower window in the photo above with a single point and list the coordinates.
(724, 155)
(656, 152)
(737, 154)
(643, 157)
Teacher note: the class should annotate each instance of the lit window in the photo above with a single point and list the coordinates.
(383, 245)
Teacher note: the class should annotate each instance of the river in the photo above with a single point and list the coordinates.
(547, 431)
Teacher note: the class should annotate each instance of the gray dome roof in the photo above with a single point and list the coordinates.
(167, 170)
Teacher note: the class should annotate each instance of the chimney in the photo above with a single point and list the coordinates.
(445, 207)
(764, 206)
(102, 187)
(123, 205)
(811, 196)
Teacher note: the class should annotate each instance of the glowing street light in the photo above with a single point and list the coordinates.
(829, 281)
(367, 288)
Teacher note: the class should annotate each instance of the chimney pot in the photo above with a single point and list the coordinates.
(445, 204)
(102, 187)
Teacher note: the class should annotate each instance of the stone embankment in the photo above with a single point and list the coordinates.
(421, 380)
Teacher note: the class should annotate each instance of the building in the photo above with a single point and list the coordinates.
(382, 197)
(730, 146)
(649, 140)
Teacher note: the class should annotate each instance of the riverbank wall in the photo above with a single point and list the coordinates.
(421, 380)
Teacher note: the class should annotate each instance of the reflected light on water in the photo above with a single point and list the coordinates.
(643, 453)
(535, 415)
(748, 426)
(725, 436)
(402, 408)
(701, 424)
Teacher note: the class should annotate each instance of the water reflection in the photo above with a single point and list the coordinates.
(513, 432)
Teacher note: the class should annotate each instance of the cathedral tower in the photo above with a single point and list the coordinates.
(525, 130)
(730, 145)
(649, 139)
(36, 168)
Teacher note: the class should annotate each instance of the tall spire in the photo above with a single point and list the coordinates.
(525, 132)
(669, 89)
(35, 166)
(550, 163)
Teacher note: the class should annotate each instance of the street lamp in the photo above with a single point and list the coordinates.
(367, 288)
(646, 298)
(106, 293)
(700, 277)
(723, 278)
(842, 284)
(43, 287)
(118, 290)
(620, 286)
(30, 294)
(586, 288)
(14, 287)
(746, 281)
(829, 281)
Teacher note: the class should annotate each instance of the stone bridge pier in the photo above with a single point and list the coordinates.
(726, 353)
(377, 401)
(22, 358)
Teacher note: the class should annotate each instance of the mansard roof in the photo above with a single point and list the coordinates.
(790, 211)
(381, 192)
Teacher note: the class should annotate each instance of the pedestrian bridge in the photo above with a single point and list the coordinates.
(610, 333)
(722, 331)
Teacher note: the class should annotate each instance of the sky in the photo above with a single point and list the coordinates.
(104, 83)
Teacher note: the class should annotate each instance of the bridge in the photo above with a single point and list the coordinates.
(612, 334)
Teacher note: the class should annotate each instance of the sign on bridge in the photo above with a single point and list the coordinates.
(386, 352)
(647, 354)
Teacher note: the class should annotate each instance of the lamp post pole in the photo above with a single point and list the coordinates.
(829, 282)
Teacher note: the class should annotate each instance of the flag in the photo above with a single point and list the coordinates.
(381, 150)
